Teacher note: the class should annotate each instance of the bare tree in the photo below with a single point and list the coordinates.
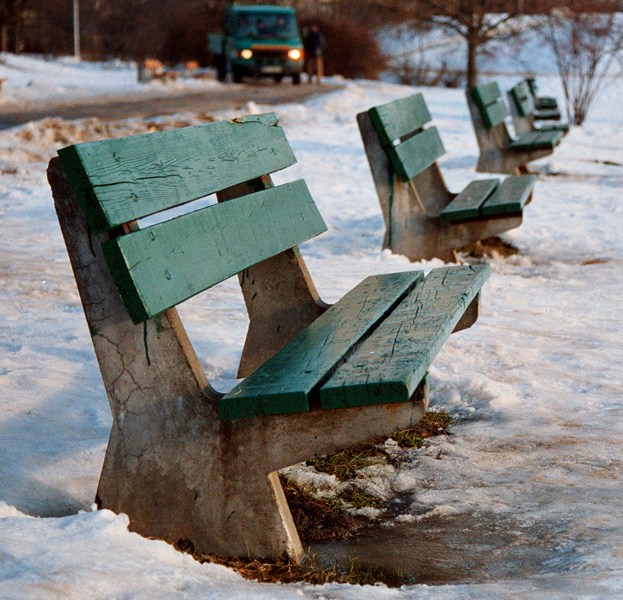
(585, 46)
(478, 22)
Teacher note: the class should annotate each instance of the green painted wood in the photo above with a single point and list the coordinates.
(398, 118)
(495, 113)
(489, 99)
(536, 140)
(546, 102)
(510, 196)
(521, 95)
(466, 205)
(548, 115)
(416, 153)
(388, 366)
(562, 127)
(162, 265)
(120, 180)
(286, 382)
(487, 93)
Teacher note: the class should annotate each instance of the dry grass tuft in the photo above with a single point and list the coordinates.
(283, 570)
(492, 247)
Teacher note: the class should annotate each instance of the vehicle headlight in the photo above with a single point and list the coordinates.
(246, 53)
(295, 54)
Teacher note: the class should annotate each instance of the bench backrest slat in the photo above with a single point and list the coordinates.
(399, 118)
(121, 180)
(488, 97)
(416, 153)
(160, 266)
(409, 147)
(524, 100)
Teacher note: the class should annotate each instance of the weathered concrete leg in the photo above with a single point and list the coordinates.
(279, 294)
(171, 465)
(381, 171)
(281, 300)
(469, 316)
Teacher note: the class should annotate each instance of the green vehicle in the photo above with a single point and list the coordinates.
(258, 41)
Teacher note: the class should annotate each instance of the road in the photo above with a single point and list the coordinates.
(123, 107)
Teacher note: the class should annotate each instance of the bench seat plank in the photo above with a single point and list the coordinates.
(548, 115)
(389, 365)
(545, 102)
(534, 140)
(562, 127)
(466, 205)
(285, 382)
(510, 196)
(160, 266)
(120, 180)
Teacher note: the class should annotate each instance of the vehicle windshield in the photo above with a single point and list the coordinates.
(266, 25)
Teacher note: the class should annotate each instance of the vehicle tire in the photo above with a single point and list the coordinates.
(221, 72)
(237, 75)
(278, 78)
(296, 79)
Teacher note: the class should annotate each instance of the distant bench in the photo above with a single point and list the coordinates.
(423, 218)
(525, 116)
(501, 152)
(543, 103)
(185, 461)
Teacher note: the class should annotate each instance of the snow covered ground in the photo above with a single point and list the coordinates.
(31, 80)
(536, 385)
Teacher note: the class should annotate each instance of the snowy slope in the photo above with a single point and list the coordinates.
(536, 385)
(32, 80)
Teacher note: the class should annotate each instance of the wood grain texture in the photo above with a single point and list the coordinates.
(398, 118)
(159, 267)
(120, 180)
(388, 366)
(510, 196)
(466, 205)
(285, 383)
(416, 153)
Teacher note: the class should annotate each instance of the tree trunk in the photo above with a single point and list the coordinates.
(472, 66)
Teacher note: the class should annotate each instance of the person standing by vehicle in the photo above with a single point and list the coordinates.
(313, 44)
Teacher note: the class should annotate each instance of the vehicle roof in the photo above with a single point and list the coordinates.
(260, 8)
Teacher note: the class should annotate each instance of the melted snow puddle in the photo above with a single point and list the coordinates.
(450, 549)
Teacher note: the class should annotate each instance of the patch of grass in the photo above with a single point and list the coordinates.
(492, 247)
(431, 424)
(357, 498)
(318, 520)
(345, 464)
(283, 570)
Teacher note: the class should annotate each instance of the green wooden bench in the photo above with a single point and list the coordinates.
(501, 152)
(185, 461)
(524, 114)
(423, 218)
(545, 104)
